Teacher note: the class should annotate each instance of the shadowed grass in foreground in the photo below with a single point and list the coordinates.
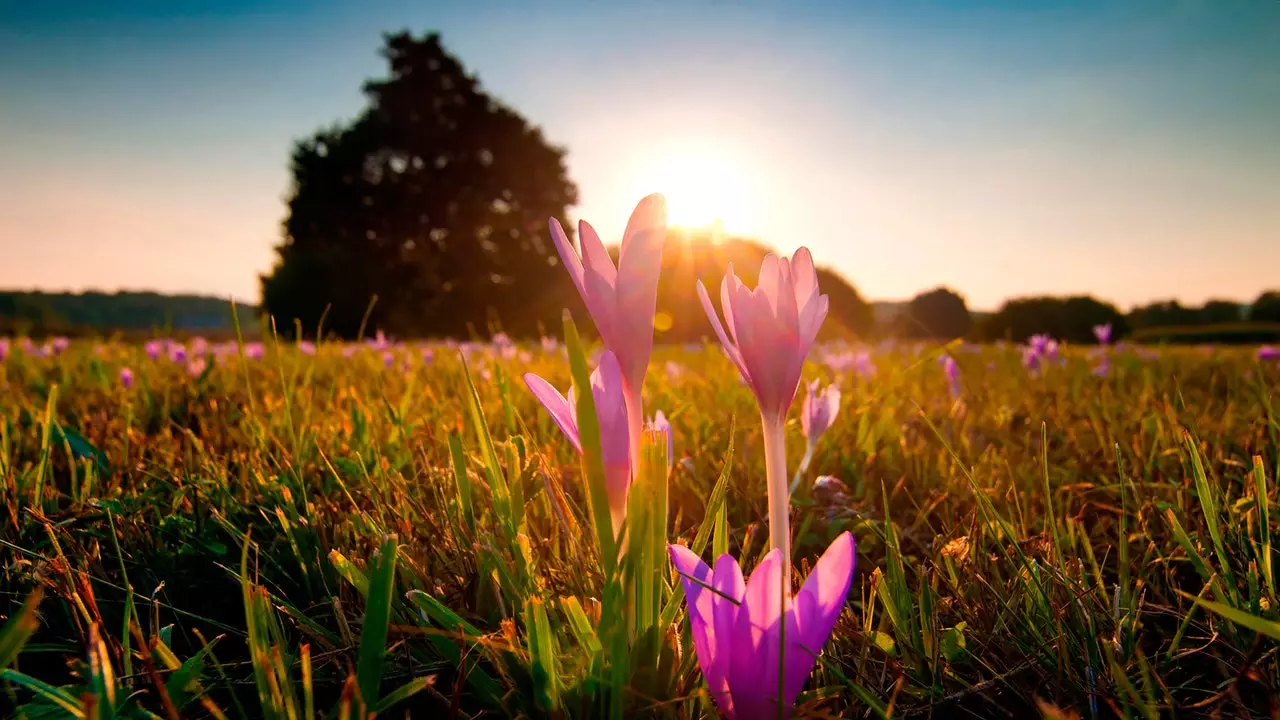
(348, 532)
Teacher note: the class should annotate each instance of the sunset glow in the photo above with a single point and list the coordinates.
(704, 189)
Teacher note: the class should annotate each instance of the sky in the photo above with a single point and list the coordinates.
(1129, 149)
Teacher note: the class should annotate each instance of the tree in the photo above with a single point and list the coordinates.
(435, 199)
(1164, 313)
(1070, 318)
(940, 314)
(1219, 311)
(1266, 308)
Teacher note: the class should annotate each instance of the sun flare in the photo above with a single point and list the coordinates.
(703, 190)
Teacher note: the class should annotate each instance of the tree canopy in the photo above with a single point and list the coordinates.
(939, 314)
(435, 199)
(1070, 318)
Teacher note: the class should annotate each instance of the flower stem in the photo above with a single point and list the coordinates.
(775, 461)
(635, 426)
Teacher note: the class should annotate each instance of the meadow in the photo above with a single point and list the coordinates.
(289, 531)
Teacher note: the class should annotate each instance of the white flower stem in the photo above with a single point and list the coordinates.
(635, 425)
(775, 462)
(804, 468)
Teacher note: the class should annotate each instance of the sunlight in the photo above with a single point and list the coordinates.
(704, 189)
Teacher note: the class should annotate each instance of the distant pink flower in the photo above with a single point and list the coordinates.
(738, 630)
(549, 345)
(428, 355)
(60, 344)
(199, 346)
(772, 327)
(126, 378)
(254, 350)
(379, 341)
(388, 358)
(153, 349)
(177, 352)
(4, 348)
(1267, 353)
(819, 410)
(952, 370)
(1102, 333)
(196, 367)
(611, 412)
(622, 300)
(307, 348)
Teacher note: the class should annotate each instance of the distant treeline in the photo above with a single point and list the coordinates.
(942, 314)
(39, 313)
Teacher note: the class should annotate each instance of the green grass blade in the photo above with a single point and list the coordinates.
(377, 616)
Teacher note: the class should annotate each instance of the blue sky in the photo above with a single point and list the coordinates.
(1129, 149)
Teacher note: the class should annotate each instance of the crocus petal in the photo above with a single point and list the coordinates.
(818, 606)
(556, 404)
(639, 265)
(729, 348)
(803, 276)
(757, 642)
(700, 600)
(726, 600)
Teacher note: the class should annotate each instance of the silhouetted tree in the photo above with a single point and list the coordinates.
(435, 199)
(1219, 311)
(1070, 318)
(1266, 308)
(940, 313)
(1165, 313)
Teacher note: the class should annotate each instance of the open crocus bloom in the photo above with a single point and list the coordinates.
(621, 300)
(819, 410)
(611, 410)
(737, 627)
(771, 328)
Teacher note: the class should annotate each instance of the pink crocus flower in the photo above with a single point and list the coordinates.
(1102, 333)
(611, 412)
(254, 350)
(819, 411)
(306, 347)
(772, 327)
(952, 370)
(1266, 353)
(153, 349)
(126, 378)
(738, 631)
(771, 330)
(622, 300)
(4, 348)
(196, 367)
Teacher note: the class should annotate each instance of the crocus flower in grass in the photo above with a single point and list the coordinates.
(622, 300)
(1102, 333)
(4, 348)
(126, 378)
(153, 349)
(771, 330)
(611, 411)
(196, 367)
(306, 347)
(1267, 353)
(952, 370)
(743, 648)
(60, 344)
(819, 410)
(254, 350)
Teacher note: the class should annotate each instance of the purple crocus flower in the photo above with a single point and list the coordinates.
(428, 355)
(254, 350)
(1102, 333)
(388, 358)
(818, 411)
(378, 341)
(153, 349)
(199, 346)
(611, 413)
(307, 348)
(1267, 353)
(126, 378)
(177, 353)
(1031, 360)
(952, 371)
(196, 367)
(60, 344)
(4, 348)
(738, 632)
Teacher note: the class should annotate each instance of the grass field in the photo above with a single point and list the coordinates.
(290, 534)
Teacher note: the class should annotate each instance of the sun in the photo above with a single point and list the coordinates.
(704, 189)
